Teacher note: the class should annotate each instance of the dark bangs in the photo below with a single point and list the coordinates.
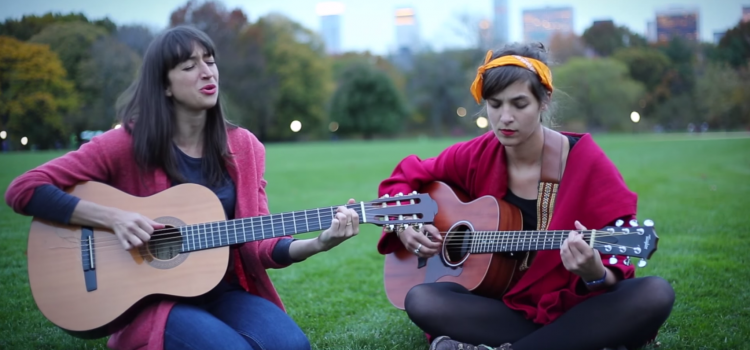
(178, 46)
(499, 78)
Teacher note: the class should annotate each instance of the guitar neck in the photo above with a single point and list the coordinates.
(224, 233)
(516, 241)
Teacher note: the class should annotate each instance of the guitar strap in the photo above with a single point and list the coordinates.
(549, 181)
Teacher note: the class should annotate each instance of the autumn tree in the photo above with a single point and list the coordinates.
(136, 37)
(597, 92)
(564, 46)
(366, 102)
(34, 93)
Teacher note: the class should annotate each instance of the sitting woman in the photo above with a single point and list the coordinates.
(174, 131)
(570, 298)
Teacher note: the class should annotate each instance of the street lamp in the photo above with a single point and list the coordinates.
(482, 122)
(3, 134)
(635, 117)
(296, 126)
(24, 140)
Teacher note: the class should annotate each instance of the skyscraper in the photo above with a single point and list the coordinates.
(407, 37)
(500, 24)
(677, 22)
(539, 24)
(330, 25)
(745, 14)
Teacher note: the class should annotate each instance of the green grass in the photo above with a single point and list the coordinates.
(696, 189)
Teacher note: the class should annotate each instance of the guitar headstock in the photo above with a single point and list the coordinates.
(401, 210)
(635, 241)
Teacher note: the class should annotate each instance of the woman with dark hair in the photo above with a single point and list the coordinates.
(569, 298)
(174, 132)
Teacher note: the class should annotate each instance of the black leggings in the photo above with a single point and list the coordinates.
(629, 314)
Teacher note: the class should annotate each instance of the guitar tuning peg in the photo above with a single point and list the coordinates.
(642, 263)
(385, 196)
(612, 260)
(633, 223)
(626, 262)
(399, 194)
(389, 228)
(619, 222)
(413, 192)
(648, 223)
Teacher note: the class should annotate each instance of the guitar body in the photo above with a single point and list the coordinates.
(123, 279)
(486, 274)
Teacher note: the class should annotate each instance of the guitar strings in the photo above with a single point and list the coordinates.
(158, 243)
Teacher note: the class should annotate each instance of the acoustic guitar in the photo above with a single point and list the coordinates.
(481, 235)
(84, 282)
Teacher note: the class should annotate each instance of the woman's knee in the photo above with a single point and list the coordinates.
(660, 292)
(417, 302)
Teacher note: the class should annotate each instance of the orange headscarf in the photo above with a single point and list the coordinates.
(536, 66)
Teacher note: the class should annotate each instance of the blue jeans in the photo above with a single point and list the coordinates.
(230, 318)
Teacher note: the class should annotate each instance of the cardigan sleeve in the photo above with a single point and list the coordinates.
(412, 173)
(88, 163)
(266, 247)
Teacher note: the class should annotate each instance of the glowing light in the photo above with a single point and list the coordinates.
(24, 140)
(296, 126)
(461, 112)
(484, 24)
(635, 117)
(482, 122)
(333, 126)
(118, 126)
(3, 134)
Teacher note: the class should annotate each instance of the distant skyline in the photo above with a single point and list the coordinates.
(369, 25)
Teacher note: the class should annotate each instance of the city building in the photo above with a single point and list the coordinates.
(501, 23)
(677, 22)
(539, 24)
(330, 13)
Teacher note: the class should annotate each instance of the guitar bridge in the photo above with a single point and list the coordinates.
(88, 258)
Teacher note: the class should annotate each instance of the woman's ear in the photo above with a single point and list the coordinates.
(168, 92)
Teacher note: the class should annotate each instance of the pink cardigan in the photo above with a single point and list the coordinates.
(108, 158)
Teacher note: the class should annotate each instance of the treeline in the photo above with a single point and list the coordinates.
(61, 75)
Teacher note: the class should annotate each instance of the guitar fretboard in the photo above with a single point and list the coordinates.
(515, 241)
(224, 233)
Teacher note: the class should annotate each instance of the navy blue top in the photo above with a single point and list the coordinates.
(51, 203)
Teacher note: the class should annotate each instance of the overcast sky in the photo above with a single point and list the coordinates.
(369, 24)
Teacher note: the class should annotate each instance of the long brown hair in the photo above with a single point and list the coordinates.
(148, 114)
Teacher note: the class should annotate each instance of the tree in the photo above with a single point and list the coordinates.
(367, 102)
(563, 47)
(605, 38)
(29, 26)
(601, 93)
(296, 64)
(109, 71)
(722, 94)
(734, 47)
(136, 37)
(650, 67)
(437, 86)
(34, 93)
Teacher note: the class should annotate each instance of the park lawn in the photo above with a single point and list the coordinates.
(694, 187)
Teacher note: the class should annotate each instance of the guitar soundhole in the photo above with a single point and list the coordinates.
(163, 250)
(165, 244)
(457, 244)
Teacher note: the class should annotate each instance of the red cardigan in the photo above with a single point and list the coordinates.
(591, 191)
(108, 158)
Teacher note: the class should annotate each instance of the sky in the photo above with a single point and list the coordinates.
(369, 24)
